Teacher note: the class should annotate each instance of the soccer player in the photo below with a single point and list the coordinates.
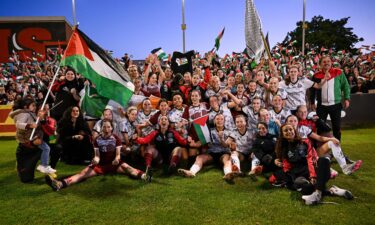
(107, 147)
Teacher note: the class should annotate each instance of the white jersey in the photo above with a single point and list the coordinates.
(280, 92)
(228, 118)
(244, 142)
(175, 115)
(116, 128)
(304, 131)
(296, 92)
(127, 127)
(252, 117)
(142, 118)
(280, 116)
(210, 92)
(216, 145)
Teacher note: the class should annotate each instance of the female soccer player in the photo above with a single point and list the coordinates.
(107, 147)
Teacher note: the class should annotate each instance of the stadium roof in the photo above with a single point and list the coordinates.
(25, 19)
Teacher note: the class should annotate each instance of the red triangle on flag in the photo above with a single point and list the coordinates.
(201, 120)
(77, 46)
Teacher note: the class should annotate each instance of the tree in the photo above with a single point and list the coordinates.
(325, 33)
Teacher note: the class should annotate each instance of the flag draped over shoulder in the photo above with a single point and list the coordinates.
(254, 43)
(218, 39)
(88, 59)
(201, 128)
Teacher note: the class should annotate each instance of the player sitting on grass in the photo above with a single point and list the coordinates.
(107, 147)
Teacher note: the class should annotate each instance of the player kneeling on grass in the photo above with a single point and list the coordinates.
(302, 170)
(218, 151)
(107, 147)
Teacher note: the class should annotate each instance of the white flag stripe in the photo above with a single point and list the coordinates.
(103, 69)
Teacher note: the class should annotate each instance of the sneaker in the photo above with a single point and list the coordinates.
(228, 177)
(351, 168)
(334, 173)
(45, 169)
(312, 199)
(186, 173)
(56, 185)
(279, 184)
(357, 165)
(256, 171)
(341, 192)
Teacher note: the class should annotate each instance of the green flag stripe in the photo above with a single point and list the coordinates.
(200, 134)
(105, 87)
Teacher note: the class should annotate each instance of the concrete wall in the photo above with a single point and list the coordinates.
(361, 110)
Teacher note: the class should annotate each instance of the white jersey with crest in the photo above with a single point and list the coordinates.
(280, 116)
(244, 142)
(296, 92)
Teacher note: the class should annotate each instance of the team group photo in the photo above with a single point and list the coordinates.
(187, 112)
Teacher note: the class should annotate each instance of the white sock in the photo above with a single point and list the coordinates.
(236, 160)
(254, 162)
(195, 169)
(227, 169)
(338, 154)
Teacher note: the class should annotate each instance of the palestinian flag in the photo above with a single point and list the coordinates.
(201, 128)
(160, 53)
(218, 38)
(88, 59)
(93, 104)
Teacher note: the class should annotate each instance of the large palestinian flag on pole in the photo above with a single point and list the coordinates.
(201, 128)
(88, 59)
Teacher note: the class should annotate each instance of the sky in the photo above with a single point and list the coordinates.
(138, 26)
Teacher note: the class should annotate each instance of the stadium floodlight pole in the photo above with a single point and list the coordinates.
(183, 26)
(74, 12)
(303, 27)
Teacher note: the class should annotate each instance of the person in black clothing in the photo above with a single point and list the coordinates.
(264, 148)
(166, 146)
(74, 137)
(302, 169)
(67, 93)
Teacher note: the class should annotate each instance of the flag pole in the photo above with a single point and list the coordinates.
(266, 45)
(74, 12)
(183, 26)
(45, 101)
(303, 28)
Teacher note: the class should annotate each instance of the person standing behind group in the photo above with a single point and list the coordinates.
(330, 96)
(67, 93)
(296, 88)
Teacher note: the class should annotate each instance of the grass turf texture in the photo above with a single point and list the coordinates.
(206, 199)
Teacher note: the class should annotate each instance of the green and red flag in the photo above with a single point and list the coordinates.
(87, 58)
(201, 128)
(218, 38)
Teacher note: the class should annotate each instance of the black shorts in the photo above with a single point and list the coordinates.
(216, 156)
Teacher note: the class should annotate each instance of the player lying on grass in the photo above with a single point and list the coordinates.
(107, 147)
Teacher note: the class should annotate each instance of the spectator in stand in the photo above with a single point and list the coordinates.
(361, 87)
